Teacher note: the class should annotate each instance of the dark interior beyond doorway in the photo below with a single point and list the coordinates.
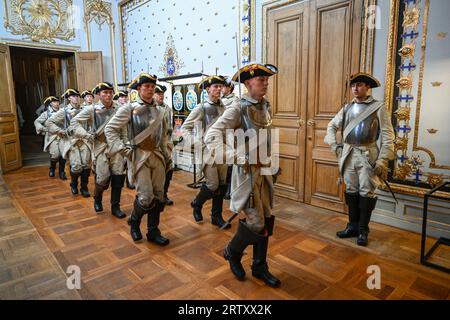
(37, 74)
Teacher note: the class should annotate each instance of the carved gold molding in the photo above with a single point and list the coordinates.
(391, 54)
(100, 12)
(39, 20)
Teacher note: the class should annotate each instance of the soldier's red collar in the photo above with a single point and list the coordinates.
(369, 100)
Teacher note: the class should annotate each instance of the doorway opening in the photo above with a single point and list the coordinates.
(37, 74)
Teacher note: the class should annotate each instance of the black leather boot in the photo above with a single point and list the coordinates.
(234, 250)
(62, 166)
(197, 204)
(227, 195)
(260, 269)
(98, 197)
(166, 187)
(74, 182)
(217, 205)
(135, 220)
(116, 191)
(84, 183)
(52, 167)
(154, 234)
(352, 200)
(366, 206)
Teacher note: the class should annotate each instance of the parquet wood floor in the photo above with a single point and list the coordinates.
(304, 252)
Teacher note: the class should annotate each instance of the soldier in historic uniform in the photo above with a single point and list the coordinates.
(109, 167)
(88, 98)
(54, 143)
(252, 183)
(121, 97)
(363, 154)
(215, 174)
(78, 150)
(228, 96)
(147, 154)
(159, 100)
(228, 99)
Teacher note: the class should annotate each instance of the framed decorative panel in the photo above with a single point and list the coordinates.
(172, 38)
(418, 94)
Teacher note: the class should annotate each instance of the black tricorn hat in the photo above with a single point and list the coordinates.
(141, 79)
(209, 81)
(86, 93)
(50, 99)
(102, 86)
(120, 93)
(254, 70)
(160, 88)
(71, 92)
(366, 78)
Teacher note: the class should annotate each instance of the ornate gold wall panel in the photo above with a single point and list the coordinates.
(39, 20)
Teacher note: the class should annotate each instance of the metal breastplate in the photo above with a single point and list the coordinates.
(210, 114)
(367, 131)
(257, 117)
(142, 117)
(102, 115)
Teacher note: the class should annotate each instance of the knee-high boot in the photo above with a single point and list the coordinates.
(217, 208)
(117, 182)
(135, 220)
(74, 182)
(169, 175)
(153, 232)
(234, 250)
(52, 167)
(84, 183)
(352, 200)
(366, 206)
(260, 269)
(61, 169)
(98, 197)
(197, 204)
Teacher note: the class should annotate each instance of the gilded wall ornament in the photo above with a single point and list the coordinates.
(432, 130)
(172, 64)
(436, 84)
(400, 144)
(403, 113)
(39, 20)
(407, 51)
(441, 35)
(99, 11)
(405, 83)
(434, 179)
(411, 19)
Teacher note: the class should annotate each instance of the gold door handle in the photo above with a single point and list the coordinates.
(301, 122)
(311, 123)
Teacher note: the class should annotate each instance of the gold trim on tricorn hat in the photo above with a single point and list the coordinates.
(50, 99)
(71, 92)
(365, 78)
(102, 86)
(209, 81)
(141, 79)
(254, 70)
(86, 93)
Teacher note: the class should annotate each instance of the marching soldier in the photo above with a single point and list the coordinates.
(88, 98)
(77, 149)
(147, 155)
(121, 97)
(159, 99)
(109, 167)
(252, 183)
(215, 174)
(228, 96)
(364, 122)
(54, 143)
